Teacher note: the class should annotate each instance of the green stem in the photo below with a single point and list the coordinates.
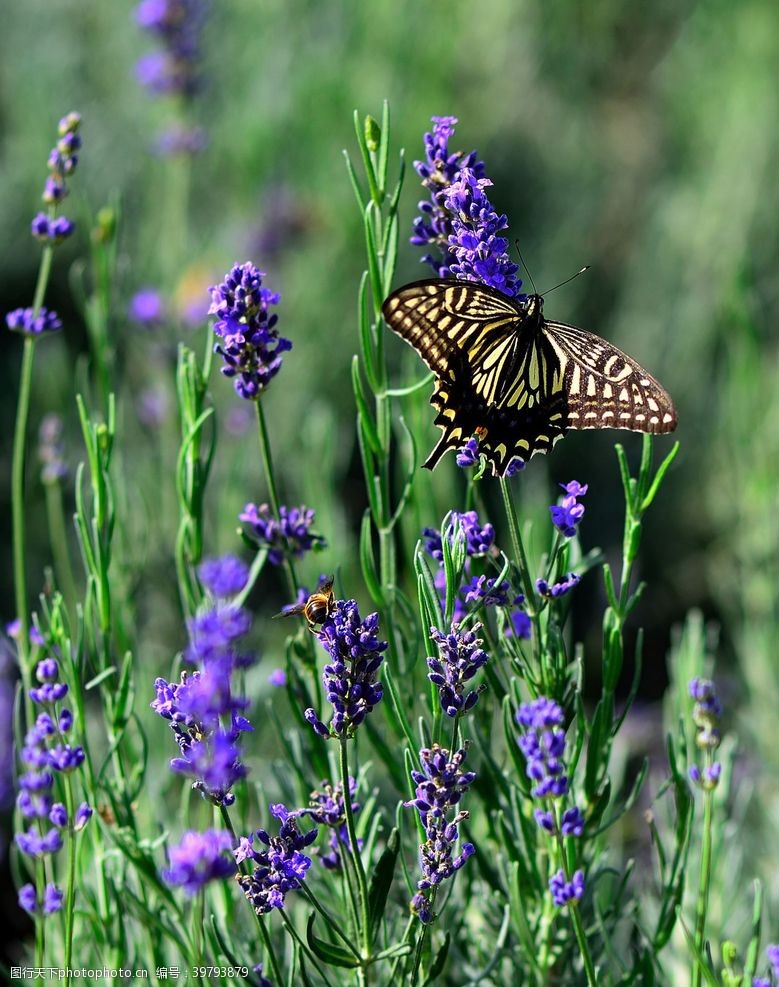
(355, 851)
(573, 910)
(704, 882)
(17, 482)
(303, 945)
(270, 478)
(17, 508)
(71, 899)
(59, 547)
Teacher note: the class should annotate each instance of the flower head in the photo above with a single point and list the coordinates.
(559, 588)
(198, 859)
(439, 169)
(349, 678)
(289, 535)
(177, 25)
(460, 658)
(225, 576)
(249, 344)
(204, 711)
(326, 808)
(51, 450)
(566, 892)
(280, 866)
(147, 308)
(30, 323)
(45, 753)
(440, 785)
(479, 252)
(567, 514)
(706, 713)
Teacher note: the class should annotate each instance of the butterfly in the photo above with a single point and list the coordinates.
(514, 379)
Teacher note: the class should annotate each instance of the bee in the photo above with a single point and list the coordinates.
(316, 609)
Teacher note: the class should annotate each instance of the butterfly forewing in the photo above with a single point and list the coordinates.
(514, 379)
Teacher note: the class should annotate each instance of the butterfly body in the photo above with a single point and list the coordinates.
(518, 381)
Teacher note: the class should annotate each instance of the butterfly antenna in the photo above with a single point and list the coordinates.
(522, 262)
(572, 277)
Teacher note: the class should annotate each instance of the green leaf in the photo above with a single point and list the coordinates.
(368, 561)
(753, 949)
(381, 882)
(438, 964)
(384, 146)
(124, 696)
(363, 411)
(370, 174)
(659, 477)
(328, 952)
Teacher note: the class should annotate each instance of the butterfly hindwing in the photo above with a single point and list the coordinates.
(605, 388)
(517, 381)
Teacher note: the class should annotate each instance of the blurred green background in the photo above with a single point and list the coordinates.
(638, 138)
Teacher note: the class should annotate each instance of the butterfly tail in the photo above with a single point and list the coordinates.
(443, 445)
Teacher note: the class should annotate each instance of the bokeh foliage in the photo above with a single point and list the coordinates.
(640, 139)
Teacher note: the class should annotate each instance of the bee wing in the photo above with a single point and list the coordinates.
(291, 611)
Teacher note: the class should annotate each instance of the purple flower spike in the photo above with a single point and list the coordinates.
(225, 576)
(198, 859)
(288, 535)
(566, 892)
(25, 321)
(280, 866)
(349, 678)
(460, 658)
(568, 514)
(249, 344)
(480, 254)
(440, 785)
(439, 169)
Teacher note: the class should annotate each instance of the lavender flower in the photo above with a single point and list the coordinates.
(469, 454)
(51, 449)
(6, 725)
(204, 712)
(281, 867)
(460, 658)
(225, 576)
(278, 678)
(349, 678)
(566, 892)
(249, 344)
(479, 253)
(51, 230)
(706, 713)
(147, 308)
(30, 323)
(706, 716)
(520, 625)
(326, 808)
(772, 955)
(543, 746)
(440, 785)
(46, 751)
(177, 24)
(559, 588)
(438, 170)
(288, 535)
(198, 859)
(478, 540)
(487, 592)
(180, 140)
(568, 514)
